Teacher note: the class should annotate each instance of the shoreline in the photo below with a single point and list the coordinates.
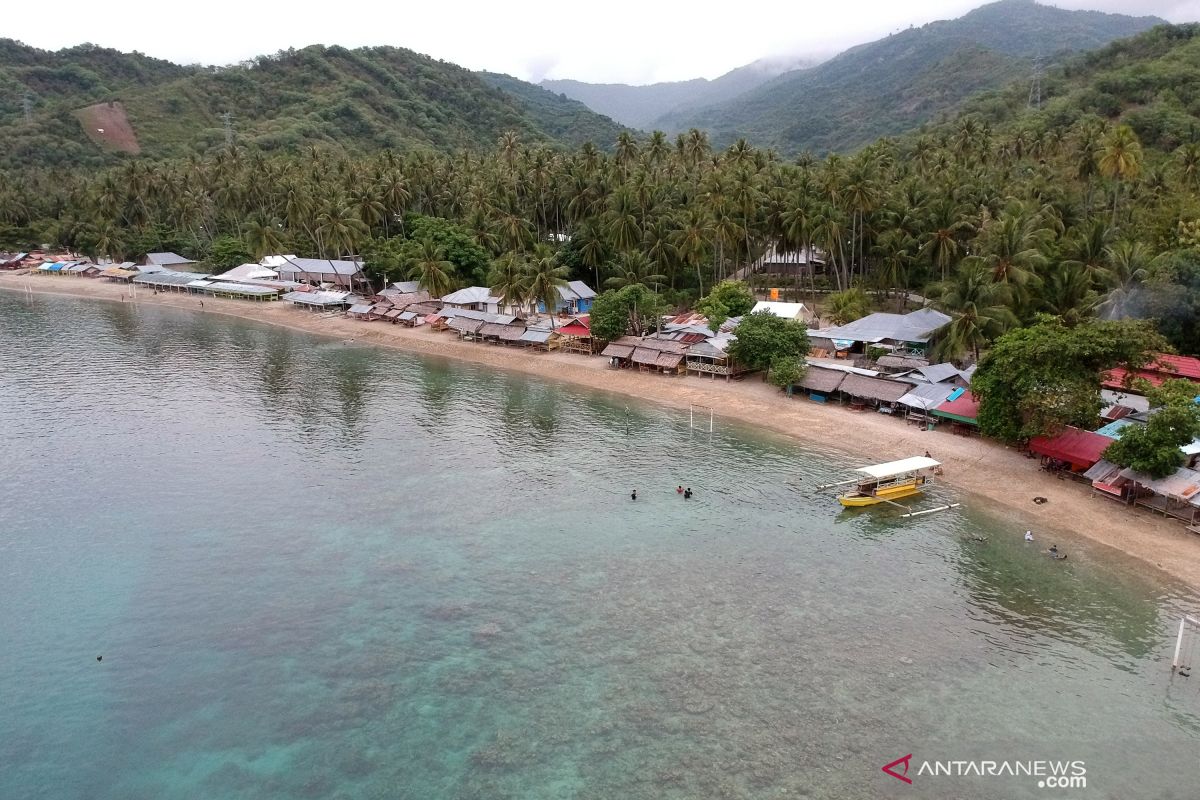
(1000, 476)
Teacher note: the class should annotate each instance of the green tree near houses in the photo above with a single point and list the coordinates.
(1036, 380)
(727, 299)
(765, 340)
(632, 310)
(1174, 421)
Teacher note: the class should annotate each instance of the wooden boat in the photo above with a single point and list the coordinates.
(889, 482)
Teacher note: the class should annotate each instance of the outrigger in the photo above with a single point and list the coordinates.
(889, 482)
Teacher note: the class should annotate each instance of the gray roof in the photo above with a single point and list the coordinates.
(936, 373)
(167, 259)
(926, 396)
(320, 298)
(321, 266)
(576, 290)
(916, 326)
(168, 277)
(407, 287)
(535, 335)
(361, 308)
(470, 296)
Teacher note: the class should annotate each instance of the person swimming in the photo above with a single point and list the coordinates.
(687, 493)
(633, 495)
(678, 490)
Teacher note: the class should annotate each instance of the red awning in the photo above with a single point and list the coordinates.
(964, 408)
(1081, 449)
(575, 329)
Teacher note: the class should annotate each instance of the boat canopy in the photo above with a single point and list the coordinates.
(900, 467)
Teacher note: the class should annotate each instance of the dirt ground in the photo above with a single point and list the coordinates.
(106, 125)
(1000, 477)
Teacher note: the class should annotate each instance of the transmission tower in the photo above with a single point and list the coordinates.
(227, 118)
(1035, 88)
(27, 105)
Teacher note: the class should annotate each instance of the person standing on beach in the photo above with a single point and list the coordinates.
(1029, 536)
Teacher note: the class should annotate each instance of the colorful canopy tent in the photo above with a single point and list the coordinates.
(1080, 449)
(960, 406)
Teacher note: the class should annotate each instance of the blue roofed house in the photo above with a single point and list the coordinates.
(575, 298)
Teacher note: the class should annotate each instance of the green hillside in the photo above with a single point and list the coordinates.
(895, 84)
(354, 100)
(1150, 82)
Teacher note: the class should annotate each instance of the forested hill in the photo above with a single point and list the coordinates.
(88, 105)
(1150, 82)
(895, 84)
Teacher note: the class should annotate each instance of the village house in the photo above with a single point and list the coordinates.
(574, 298)
(168, 260)
(320, 271)
(793, 311)
(905, 333)
(473, 298)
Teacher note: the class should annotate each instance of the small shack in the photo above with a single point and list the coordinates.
(821, 383)
(961, 409)
(864, 391)
(577, 335)
(1071, 449)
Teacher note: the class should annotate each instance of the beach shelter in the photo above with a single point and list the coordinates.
(1080, 449)
(961, 406)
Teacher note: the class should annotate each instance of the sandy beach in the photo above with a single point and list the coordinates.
(1000, 477)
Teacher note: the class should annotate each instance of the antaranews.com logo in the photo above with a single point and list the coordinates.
(1048, 774)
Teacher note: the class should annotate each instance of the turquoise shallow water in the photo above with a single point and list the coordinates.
(318, 570)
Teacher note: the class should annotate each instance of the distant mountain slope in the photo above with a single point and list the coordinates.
(566, 120)
(893, 85)
(356, 100)
(641, 106)
(1150, 82)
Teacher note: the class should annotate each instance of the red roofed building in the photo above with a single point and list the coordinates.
(964, 408)
(1080, 449)
(1163, 368)
(577, 335)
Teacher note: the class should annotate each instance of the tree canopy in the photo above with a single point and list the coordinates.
(1035, 380)
(632, 310)
(727, 299)
(1174, 421)
(764, 340)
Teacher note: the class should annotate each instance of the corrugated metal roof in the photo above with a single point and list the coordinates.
(167, 259)
(472, 295)
(925, 396)
(168, 277)
(1182, 485)
(360, 308)
(916, 326)
(318, 298)
(536, 336)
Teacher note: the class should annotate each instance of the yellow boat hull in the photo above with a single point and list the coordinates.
(893, 493)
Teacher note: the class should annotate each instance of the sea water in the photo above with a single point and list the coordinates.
(314, 569)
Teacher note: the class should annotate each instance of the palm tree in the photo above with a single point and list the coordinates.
(430, 268)
(978, 311)
(1120, 159)
(1067, 293)
(633, 268)
(263, 238)
(692, 241)
(508, 280)
(544, 276)
(947, 223)
(1128, 265)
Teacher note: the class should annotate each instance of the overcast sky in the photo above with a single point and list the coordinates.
(629, 41)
